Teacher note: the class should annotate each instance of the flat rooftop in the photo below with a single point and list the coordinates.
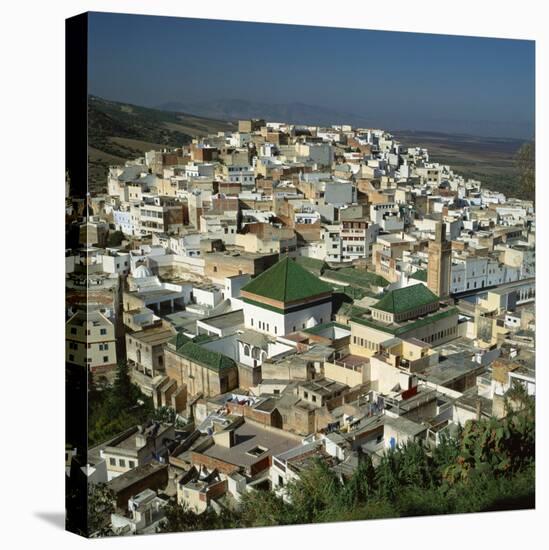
(248, 437)
(135, 475)
(154, 335)
(452, 369)
(157, 293)
(323, 386)
(225, 320)
(350, 361)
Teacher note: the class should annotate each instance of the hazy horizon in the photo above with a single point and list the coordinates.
(394, 80)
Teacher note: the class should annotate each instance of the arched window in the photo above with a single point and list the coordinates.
(247, 350)
(255, 353)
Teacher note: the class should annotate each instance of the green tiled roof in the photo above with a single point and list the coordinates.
(319, 328)
(398, 330)
(201, 338)
(355, 277)
(405, 299)
(287, 281)
(316, 267)
(210, 359)
(420, 275)
(350, 310)
(179, 340)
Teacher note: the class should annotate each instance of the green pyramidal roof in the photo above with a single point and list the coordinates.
(287, 281)
(405, 299)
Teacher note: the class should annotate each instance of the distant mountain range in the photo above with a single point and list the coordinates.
(293, 113)
(304, 113)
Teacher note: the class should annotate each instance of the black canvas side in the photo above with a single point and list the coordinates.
(76, 379)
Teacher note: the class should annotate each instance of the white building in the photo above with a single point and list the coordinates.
(387, 216)
(350, 240)
(284, 299)
(474, 272)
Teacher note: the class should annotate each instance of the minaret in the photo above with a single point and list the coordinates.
(440, 262)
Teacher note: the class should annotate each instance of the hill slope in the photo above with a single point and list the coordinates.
(121, 131)
(490, 160)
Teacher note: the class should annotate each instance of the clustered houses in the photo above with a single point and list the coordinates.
(293, 292)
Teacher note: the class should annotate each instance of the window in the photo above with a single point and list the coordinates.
(122, 463)
(105, 358)
(131, 464)
(247, 350)
(73, 330)
(71, 357)
(280, 481)
(103, 331)
(112, 461)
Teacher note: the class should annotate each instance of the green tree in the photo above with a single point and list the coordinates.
(361, 486)
(264, 508)
(166, 415)
(124, 394)
(180, 518)
(387, 475)
(100, 508)
(495, 446)
(115, 238)
(415, 466)
(117, 408)
(316, 491)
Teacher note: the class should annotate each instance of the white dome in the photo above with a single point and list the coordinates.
(142, 271)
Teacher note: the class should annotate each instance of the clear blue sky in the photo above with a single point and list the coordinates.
(399, 80)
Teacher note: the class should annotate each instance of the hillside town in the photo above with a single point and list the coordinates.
(282, 295)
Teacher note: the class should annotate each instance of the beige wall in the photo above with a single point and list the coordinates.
(386, 377)
(347, 376)
(197, 378)
(372, 337)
